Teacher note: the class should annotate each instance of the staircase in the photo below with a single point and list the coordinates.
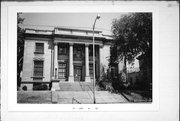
(76, 86)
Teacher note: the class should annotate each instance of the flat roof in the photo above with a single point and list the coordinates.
(66, 32)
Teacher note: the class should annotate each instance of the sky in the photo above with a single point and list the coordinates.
(75, 20)
(82, 20)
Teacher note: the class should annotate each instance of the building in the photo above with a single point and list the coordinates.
(139, 73)
(62, 55)
(119, 78)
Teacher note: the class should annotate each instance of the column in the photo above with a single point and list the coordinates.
(55, 61)
(87, 77)
(100, 67)
(71, 66)
(55, 81)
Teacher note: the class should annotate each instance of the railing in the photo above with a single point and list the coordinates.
(89, 88)
(91, 91)
(73, 99)
(81, 86)
(85, 90)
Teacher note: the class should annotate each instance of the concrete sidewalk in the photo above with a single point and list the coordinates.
(68, 97)
(86, 97)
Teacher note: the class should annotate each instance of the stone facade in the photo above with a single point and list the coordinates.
(63, 55)
(30, 56)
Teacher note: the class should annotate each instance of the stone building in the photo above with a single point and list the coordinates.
(62, 55)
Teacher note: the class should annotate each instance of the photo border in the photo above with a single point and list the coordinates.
(12, 55)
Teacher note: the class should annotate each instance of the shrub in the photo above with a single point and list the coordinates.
(24, 88)
(50, 85)
(40, 87)
(18, 88)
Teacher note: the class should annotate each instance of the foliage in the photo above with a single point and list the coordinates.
(40, 87)
(133, 36)
(24, 88)
(105, 82)
(20, 47)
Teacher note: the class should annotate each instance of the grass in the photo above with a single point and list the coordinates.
(34, 97)
(136, 97)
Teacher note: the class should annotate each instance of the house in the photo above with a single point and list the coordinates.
(139, 74)
(117, 66)
(63, 55)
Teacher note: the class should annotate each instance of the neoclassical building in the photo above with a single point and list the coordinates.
(63, 55)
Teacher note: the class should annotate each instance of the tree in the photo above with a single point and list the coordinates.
(20, 47)
(133, 36)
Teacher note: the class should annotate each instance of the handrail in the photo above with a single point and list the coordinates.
(89, 88)
(88, 92)
(73, 99)
(81, 86)
(85, 90)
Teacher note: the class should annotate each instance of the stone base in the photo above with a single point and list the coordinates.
(71, 79)
(28, 87)
(54, 96)
(87, 79)
(92, 80)
(55, 86)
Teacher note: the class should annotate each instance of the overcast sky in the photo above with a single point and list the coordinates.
(80, 20)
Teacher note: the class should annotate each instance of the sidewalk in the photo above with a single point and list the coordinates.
(102, 97)
(70, 97)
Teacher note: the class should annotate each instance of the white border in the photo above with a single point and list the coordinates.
(12, 39)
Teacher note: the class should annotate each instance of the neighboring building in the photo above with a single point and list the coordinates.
(134, 78)
(118, 75)
(145, 63)
(133, 70)
(139, 74)
(63, 55)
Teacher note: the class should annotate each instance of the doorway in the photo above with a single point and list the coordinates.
(77, 73)
(62, 71)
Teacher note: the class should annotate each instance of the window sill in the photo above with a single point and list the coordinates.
(38, 77)
(59, 54)
(38, 52)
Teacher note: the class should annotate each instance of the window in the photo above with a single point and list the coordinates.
(62, 71)
(38, 68)
(91, 70)
(78, 51)
(90, 51)
(39, 48)
(62, 50)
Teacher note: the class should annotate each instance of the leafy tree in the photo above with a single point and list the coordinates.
(133, 36)
(20, 47)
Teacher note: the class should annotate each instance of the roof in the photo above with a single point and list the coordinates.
(78, 29)
(66, 31)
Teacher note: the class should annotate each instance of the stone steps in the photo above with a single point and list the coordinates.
(76, 86)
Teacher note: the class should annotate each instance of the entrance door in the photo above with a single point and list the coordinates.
(77, 73)
(62, 71)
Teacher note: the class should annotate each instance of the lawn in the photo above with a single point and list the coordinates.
(34, 97)
(136, 96)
